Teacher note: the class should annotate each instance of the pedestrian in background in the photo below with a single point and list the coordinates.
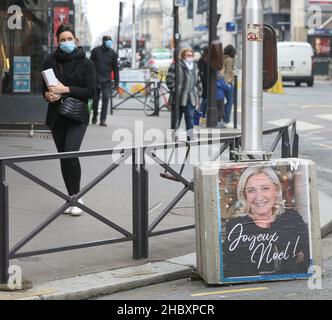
(225, 83)
(203, 71)
(77, 79)
(189, 90)
(106, 62)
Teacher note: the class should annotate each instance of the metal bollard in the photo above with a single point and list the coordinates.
(140, 206)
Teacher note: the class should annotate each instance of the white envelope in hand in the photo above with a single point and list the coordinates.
(50, 78)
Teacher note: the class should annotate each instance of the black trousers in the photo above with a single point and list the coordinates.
(105, 89)
(69, 138)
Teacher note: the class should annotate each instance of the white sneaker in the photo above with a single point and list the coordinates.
(221, 125)
(76, 211)
(68, 211)
(229, 125)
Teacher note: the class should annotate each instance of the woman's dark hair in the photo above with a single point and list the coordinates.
(230, 51)
(65, 27)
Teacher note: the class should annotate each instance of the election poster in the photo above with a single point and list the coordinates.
(265, 222)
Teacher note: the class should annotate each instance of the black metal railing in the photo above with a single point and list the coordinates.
(143, 229)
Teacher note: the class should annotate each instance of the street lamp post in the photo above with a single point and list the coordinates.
(252, 86)
(119, 26)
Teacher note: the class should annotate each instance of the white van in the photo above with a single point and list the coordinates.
(296, 62)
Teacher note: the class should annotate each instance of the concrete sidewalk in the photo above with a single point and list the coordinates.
(85, 273)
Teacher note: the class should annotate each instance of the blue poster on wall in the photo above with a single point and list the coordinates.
(22, 83)
(22, 74)
(22, 65)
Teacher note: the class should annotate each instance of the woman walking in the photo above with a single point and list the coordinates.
(189, 90)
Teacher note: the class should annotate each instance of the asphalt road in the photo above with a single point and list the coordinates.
(312, 107)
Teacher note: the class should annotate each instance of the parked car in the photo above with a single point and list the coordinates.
(296, 62)
(159, 59)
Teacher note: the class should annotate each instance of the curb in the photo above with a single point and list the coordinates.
(105, 283)
(325, 214)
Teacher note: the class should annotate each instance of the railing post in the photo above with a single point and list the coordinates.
(235, 102)
(4, 226)
(295, 149)
(157, 101)
(140, 205)
(295, 142)
(234, 146)
(285, 148)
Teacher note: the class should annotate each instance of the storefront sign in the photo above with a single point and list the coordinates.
(61, 15)
(321, 45)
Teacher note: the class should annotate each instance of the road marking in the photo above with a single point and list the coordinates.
(228, 291)
(316, 106)
(324, 117)
(157, 206)
(300, 125)
(325, 146)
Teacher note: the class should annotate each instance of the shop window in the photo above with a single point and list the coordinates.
(202, 6)
(190, 9)
(22, 51)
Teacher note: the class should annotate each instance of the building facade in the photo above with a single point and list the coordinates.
(293, 20)
(82, 26)
(27, 36)
(150, 24)
(319, 26)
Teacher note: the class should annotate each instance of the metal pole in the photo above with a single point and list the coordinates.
(119, 26)
(140, 206)
(133, 44)
(111, 99)
(252, 90)
(177, 37)
(236, 102)
(4, 227)
(212, 110)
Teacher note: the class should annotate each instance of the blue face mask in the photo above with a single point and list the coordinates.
(68, 46)
(109, 44)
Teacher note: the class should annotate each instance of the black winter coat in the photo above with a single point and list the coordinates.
(76, 72)
(106, 62)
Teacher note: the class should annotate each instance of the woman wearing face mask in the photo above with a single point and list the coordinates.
(189, 89)
(77, 79)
